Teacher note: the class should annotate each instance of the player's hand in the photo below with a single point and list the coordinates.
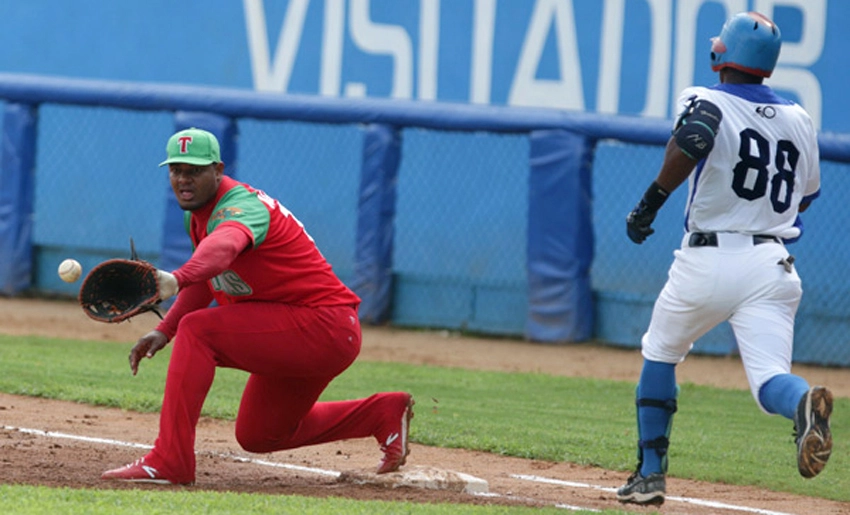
(147, 346)
(639, 222)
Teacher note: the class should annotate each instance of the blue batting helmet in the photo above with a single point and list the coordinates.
(748, 42)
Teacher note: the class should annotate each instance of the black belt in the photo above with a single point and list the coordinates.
(709, 239)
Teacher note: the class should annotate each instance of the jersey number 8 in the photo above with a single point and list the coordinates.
(785, 162)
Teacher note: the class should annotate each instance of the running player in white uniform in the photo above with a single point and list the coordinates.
(751, 160)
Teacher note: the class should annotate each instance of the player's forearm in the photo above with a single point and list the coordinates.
(213, 255)
(194, 297)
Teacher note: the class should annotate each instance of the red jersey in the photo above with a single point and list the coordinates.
(283, 263)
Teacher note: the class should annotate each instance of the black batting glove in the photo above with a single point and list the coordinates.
(639, 221)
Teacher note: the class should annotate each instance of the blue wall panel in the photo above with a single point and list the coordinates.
(460, 227)
(313, 170)
(97, 185)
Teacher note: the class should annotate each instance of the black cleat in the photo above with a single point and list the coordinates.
(643, 490)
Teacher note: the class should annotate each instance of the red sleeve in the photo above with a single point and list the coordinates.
(214, 254)
(195, 296)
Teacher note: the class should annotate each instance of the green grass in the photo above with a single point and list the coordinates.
(718, 435)
(49, 501)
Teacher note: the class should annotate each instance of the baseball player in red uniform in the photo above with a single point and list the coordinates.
(281, 315)
(751, 160)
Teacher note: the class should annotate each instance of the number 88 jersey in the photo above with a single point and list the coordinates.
(764, 163)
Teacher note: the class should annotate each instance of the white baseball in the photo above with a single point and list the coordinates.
(70, 270)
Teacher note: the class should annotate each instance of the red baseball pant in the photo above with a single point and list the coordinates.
(292, 354)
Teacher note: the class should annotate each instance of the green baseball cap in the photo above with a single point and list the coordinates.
(192, 146)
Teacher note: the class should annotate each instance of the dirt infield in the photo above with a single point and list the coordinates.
(61, 459)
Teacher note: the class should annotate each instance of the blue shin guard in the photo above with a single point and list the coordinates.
(656, 403)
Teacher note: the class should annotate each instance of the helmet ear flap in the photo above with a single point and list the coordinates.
(717, 47)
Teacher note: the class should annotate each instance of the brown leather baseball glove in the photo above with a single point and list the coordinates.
(119, 289)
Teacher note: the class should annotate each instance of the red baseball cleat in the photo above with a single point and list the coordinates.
(137, 472)
(395, 446)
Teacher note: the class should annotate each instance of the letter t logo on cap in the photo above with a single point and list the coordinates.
(184, 144)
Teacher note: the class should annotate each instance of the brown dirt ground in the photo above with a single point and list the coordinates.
(51, 461)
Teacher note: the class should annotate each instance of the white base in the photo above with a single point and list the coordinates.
(431, 478)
